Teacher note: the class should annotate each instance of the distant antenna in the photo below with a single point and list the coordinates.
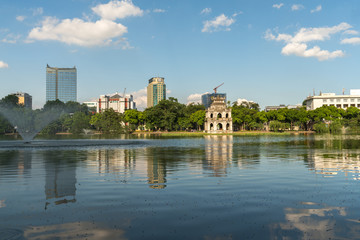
(124, 92)
(343, 91)
(313, 91)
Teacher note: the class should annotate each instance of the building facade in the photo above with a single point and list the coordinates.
(218, 117)
(119, 103)
(206, 99)
(61, 83)
(156, 91)
(331, 99)
(25, 99)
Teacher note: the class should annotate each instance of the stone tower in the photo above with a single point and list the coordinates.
(218, 117)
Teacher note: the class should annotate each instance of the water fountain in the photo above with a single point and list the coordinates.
(28, 122)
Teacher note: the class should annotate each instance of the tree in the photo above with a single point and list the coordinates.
(165, 115)
(108, 121)
(56, 104)
(80, 121)
(10, 101)
(198, 118)
(132, 116)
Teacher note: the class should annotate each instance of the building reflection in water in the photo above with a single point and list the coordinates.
(156, 169)
(60, 178)
(218, 154)
(116, 161)
(330, 160)
(316, 221)
(20, 160)
(122, 163)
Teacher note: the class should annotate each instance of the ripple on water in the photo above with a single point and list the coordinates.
(11, 234)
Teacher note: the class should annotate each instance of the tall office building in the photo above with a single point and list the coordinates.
(156, 91)
(61, 84)
(206, 99)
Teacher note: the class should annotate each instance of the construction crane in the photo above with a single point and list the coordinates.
(217, 87)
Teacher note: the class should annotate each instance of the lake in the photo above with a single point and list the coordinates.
(210, 187)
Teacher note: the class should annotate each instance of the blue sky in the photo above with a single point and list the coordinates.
(271, 52)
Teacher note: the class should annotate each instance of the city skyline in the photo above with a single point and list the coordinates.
(270, 52)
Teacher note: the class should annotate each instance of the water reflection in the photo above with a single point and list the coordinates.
(19, 161)
(74, 230)
(116, 161)
(60, 177)
(316, 221)
(328, 162)
(2, 203)
(218, 154)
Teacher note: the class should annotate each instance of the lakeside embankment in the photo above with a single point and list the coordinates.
(239, 133)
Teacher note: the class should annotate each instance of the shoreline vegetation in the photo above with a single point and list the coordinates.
(171, 118)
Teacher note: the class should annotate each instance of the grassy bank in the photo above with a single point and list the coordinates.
(240, 133)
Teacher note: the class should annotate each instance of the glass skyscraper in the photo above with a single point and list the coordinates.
(61, 83)
(156, 91)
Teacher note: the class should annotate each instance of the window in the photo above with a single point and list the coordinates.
(324, 100)
(345, 106)
(352, 100)
(345, 100)
(338, 100)
(331, 100)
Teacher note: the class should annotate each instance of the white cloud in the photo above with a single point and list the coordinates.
(237, 13)
(11, 38)
(206, 11)
(140, 98)
(124, 44)
(351, 32)
(38, 11)
(116, 9)
(3, 64)
(317, 9)
(220, 23)
(297, 7)
(157, 10)
(78, 32)
(20, 18)
(298, 43)
(278, 6)
(301, 50)
(194, 98)
(354, 41)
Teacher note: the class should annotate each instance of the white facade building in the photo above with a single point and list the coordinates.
(116, 102)
(331, 99)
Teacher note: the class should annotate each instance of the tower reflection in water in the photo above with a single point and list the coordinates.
(218, 154)
(121, 163)
(60, 178)
(156, 169)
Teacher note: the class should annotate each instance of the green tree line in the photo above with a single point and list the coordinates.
(170, 115)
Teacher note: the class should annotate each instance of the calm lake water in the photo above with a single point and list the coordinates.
(212, 187)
